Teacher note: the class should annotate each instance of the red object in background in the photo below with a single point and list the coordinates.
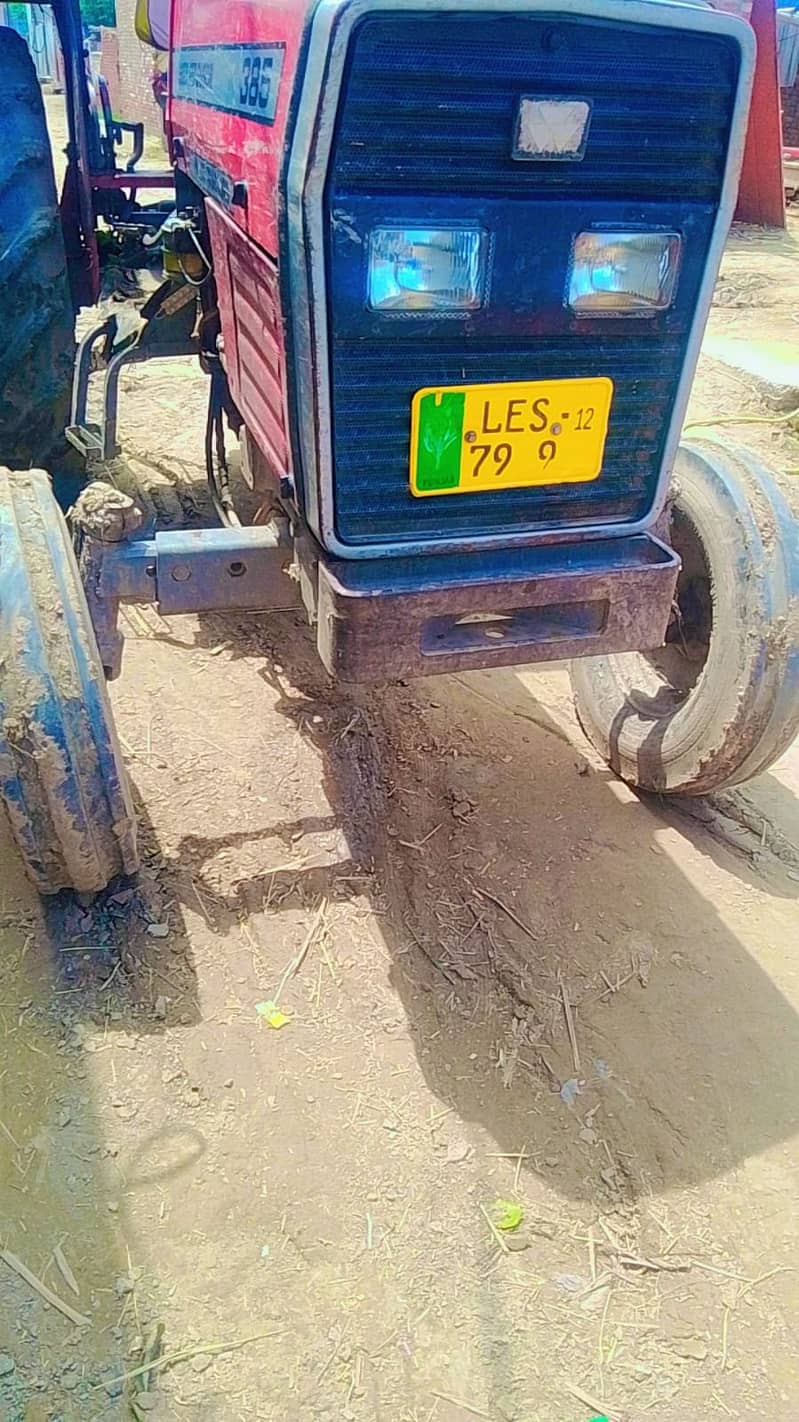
(761, 197)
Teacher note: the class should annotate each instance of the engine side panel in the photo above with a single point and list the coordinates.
(252, 328)
(232, 68)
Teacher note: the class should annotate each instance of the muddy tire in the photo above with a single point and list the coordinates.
(38, 337)
(720, 701)
(62, 780)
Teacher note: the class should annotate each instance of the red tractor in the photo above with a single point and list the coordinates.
(447, 265)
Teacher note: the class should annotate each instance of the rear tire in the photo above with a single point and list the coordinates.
(38, 331)
(720, 701)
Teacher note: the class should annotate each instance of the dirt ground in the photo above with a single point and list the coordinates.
(303, 1209)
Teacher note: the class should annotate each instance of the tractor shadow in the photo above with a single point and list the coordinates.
(507, 872)
(65, 1015)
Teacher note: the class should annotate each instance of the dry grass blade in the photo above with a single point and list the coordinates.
(418, 844)
(659, 1263)
(613, 1240)
(375, 1353)
(183, 1355)
(86, 948)
(459, 1402)
(601, 1343)
(600, 1282)
(743, 1289)
(570, 1028)
(328, 1363)
(725, 1326)
(762, 1279)
(151, 1348)
(514, 917)
(723, 1273)
(594, 1403)
(65, 1271)
(522, 1156)
(79, 1319)
(299, 957)
(6, 1132)
(503, 1243)
(549, 1068)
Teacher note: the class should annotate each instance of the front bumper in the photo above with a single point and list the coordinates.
(410, 617)
(385, 618)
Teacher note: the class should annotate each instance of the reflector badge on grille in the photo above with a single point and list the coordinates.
(551, 129)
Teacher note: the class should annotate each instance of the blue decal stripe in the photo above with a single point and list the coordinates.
(239, 79)
(213, 180)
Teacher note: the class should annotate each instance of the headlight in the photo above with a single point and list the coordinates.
(427, 269)
(623, 273)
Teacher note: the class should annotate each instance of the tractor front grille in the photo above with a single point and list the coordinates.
(425, 135)
(431, 101)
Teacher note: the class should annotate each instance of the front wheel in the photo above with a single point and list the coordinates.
(62, 780)
(719, 702)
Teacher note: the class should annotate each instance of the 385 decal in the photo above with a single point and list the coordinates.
(256, 82)
(235, 78)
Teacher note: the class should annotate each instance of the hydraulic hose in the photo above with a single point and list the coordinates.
(216, 467)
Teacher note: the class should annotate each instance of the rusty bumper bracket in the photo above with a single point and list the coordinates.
(409, 617)
(185, 570)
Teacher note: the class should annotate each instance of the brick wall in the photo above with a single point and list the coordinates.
(127, 64)
(108, 65)
(790, 116)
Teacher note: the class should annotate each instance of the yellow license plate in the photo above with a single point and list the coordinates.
(469, 438)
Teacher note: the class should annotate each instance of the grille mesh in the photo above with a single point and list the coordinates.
(374, 384)
(434, 100)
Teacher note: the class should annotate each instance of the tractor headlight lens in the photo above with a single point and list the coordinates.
(623, 273)
(427, 269)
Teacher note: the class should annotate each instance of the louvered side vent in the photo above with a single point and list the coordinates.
(256, 308)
